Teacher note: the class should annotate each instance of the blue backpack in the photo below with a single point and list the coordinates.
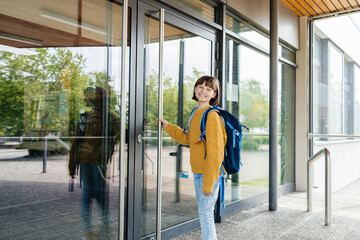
(234, 131)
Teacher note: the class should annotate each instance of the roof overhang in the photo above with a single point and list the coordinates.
(315, 9)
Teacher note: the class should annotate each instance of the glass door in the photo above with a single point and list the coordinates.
(187, 55)
(60, 74)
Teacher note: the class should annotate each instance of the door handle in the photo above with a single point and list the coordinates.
(160, 114)
(123, 121)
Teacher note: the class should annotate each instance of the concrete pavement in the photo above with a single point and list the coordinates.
(292, 221)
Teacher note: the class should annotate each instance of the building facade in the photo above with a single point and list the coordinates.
(64, 105)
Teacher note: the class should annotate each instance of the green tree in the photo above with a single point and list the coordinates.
(43, 92)
(170, 100)
(254, 105)
(189, 103)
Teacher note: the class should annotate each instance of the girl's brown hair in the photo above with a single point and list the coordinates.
(211, 82)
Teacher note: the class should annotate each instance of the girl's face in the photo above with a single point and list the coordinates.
(204, 93)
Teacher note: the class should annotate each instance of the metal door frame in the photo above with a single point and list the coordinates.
(194, 26)
(131, 76)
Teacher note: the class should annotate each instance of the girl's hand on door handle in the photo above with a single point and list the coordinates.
(164, 123)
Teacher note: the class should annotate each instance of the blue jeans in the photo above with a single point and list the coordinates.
(206, 207)
(93, 186)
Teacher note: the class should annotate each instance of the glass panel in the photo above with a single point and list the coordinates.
(286, 125)
(247, 96)
(247, 32)
(60, 110)
(199, 7)
(348, 97)
(319, 93)
(286, 53)
(357, 100)
(186, 58)
(335, 119)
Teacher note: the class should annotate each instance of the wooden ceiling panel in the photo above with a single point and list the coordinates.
(309, 9)
(329, 4)
(301, 9)
(353, 3)
(313, 8)
(292, 8)
(345, 4)
(322, 6)
(337, 4)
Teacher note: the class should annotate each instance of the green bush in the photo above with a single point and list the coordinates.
(250, 144)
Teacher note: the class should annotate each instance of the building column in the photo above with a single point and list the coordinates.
(273, 129)
(302, 106)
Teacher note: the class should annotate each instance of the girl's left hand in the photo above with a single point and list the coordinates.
(207, 193)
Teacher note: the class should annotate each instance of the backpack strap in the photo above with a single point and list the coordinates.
(203, 121)
(203, 139)
(203, 125)
(185, 131)
(222, 189)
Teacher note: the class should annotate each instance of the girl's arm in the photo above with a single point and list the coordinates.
(215, 144)
(175, 132)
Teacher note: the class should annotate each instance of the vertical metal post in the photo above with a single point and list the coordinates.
(223, 56)
(310, 27)
(327, 189)
(222, 16)
(123, 121)
(181, 84)
(310, 180)
(180, 118)
(178, 172)
(160, 114)
(45, 155)
(273, 165)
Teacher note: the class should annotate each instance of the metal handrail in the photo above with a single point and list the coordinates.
(46, 138)
(310, 176)
(152, 163)
(333, 136)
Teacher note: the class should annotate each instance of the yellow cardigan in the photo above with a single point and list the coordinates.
(215, 143)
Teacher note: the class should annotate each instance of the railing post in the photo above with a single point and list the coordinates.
(310, 180)
(327, 188)
(310, 172)
(45, 155)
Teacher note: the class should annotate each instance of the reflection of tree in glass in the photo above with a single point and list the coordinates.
(254, 104)
(43, 93)
(170, 98)
(189, 103)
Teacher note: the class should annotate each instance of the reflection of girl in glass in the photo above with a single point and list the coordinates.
(206, 171)
(91, 153)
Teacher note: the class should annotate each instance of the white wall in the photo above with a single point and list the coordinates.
(345, 164)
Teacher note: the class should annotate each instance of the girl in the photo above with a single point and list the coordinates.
(206, 171)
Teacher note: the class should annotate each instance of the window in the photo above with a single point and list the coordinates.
(199, 7)
(247, 96)
(286, 53)
(335, 106)
(286, 125)
(247, 32)
(357, 100)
